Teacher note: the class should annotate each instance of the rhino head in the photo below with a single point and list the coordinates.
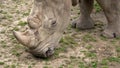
(47, 21)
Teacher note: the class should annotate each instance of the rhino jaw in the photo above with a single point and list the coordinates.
(23, 39)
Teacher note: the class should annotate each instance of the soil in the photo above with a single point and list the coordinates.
(90, 50)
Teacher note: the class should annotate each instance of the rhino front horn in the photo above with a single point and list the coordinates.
(23, 39)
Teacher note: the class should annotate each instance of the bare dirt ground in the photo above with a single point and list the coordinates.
(78, 49)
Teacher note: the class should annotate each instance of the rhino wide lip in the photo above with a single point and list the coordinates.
(43, 49)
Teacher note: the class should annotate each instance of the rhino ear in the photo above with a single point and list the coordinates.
(23, 39)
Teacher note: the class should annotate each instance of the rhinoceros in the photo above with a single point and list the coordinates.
(49, 18)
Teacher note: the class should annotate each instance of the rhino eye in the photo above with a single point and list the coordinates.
(53, 23)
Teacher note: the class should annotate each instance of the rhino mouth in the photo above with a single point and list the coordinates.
(44, 52)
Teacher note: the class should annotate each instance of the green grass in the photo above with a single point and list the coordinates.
(13, 66)
(45, 67)
(103, 38)
(26, 14)
(89, 38)
(94, 64)
(65, 42)
(3, 44)
(22, 23)
(7, 17)
(104, 62)
(16, 28)
(72, 57)
(29, 66)
(105, 66)
(97, 7)
(114, 59)
(3, 12)
(6, 66)
(89, 47)
(118, 38)
(17, 11)
(15, 52)
(61, 66)
(113, 41)
(81, 65)
(118, 48)
(90, 54)
(2, 63)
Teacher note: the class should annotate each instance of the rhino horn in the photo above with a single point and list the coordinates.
(23, 39)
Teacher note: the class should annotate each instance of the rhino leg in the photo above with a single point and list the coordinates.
(112, 12)
(47, 22)
(84, 21)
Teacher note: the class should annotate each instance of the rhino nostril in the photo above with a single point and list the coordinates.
(49, 52)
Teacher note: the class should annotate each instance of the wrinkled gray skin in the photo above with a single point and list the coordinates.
(49, 18)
